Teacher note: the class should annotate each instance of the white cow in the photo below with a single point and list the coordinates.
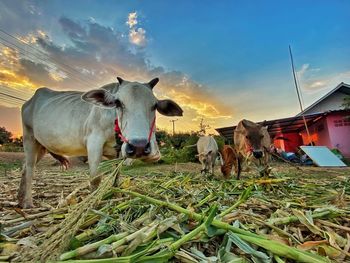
(71, 123)
(208, 151)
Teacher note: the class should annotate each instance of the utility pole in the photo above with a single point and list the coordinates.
(298, 93)
(173, 121)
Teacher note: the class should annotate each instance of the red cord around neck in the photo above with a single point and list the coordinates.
(124, 139)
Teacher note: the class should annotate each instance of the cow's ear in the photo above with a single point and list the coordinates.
(120, 80)
(237, 131)
(153, 82)
(169, 108)
(100, 97)
(245, 123)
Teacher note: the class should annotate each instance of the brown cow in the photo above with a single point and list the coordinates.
(229, 159)
(252, 142)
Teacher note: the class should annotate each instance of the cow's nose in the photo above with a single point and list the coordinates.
(257, 154)
(147, 150)
(130, 150)
(138, 148)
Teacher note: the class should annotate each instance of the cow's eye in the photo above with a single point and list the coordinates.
(154, 107)
(261, 136)
(247, 137)
(118, 104)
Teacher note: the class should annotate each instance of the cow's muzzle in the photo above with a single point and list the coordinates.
(257, 154)
(137, 148)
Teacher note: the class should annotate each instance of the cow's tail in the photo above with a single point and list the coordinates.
(63, 160)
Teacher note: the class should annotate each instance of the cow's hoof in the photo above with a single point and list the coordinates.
(26, 205)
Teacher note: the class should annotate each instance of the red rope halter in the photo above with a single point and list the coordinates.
(124, 139)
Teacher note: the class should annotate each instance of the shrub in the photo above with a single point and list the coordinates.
(10, 147)
(181, 147)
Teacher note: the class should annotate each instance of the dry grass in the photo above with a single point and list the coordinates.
(260, 220)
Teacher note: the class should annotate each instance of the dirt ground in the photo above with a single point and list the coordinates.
(303, 187)
(51, 183)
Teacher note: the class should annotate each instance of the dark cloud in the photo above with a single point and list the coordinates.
(74, 30)
(94, 54)
(36, 72)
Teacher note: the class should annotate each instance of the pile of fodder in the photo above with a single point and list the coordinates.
(294, 216)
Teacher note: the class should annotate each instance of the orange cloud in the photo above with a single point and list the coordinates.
(112, 54)
(9, 61)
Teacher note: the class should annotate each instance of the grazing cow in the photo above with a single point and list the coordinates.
(207, 153)
(252, 141)
(229, 160)
(71, 123)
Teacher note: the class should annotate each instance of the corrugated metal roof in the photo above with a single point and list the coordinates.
(342, 87)
(284, 125)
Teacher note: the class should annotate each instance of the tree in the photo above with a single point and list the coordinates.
(5, 136)
(346, 103)
(18, 141)
(203, 127)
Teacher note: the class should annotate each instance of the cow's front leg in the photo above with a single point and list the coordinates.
(95, 149)
(212, 168)
(203, 171)
(31, 150)
(239, 162)
(265, 172)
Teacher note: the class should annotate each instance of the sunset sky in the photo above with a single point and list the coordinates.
(220, 60)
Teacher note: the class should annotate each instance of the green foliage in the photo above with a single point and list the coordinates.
(220, 141)
(181, 147)
(346, 103)
(8, 144)
(18, 141)
(10, 165)
(10, 147)
(5, 136)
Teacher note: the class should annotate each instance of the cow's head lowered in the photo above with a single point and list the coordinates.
(136, 108)
(254, 136)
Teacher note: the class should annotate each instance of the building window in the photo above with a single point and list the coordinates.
(346, 122)
(343, 122)
(338, 123)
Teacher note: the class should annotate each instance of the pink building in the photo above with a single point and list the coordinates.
(332, 130)
(327, 120)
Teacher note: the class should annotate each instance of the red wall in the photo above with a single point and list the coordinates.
(290, 144)
(318, 132)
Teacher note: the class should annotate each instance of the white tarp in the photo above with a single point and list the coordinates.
(322, 156)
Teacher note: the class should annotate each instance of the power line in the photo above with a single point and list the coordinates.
(14, 97)
(41, 52)
(10, 101)
(25, 53)
(13, 93)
